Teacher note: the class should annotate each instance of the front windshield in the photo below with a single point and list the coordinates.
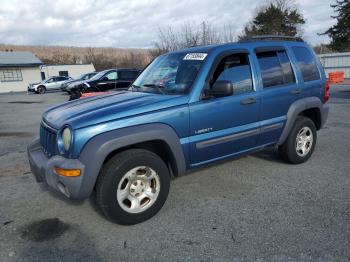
(83, 77)
(48, 80)
(170, 74)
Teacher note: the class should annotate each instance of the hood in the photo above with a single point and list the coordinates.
(74, 83)
(98, 109)
(70, 81)
(34, 84)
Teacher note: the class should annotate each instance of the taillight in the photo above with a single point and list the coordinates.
(326, 95)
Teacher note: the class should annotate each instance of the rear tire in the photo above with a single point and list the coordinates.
(300, 142)
(41, 90)
(132, 186)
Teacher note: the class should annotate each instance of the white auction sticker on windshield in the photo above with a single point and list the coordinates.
(195, 56)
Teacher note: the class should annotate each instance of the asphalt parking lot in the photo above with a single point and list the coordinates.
(255, 208)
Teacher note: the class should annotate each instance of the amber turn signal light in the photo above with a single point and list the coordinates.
(67, 172)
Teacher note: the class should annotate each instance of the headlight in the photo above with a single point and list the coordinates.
(66, 138)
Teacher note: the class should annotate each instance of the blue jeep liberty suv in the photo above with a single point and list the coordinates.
(186, 109)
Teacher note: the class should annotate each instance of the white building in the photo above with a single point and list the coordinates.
(19, 68)
(336, 62)
(73, 71)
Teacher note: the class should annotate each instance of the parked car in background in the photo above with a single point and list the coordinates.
(105, 80)
(69, 84)
(52, 83)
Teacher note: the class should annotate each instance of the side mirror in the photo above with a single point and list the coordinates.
(220, 88)
(105, 78)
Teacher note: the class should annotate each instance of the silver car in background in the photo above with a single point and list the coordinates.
(52, 83)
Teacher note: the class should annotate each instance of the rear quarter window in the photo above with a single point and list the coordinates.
(306, 63)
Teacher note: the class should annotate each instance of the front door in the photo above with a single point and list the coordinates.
(51, 84)
(107, 82)
(225, 126)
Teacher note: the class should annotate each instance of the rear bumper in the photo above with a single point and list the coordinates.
(324, 114)
(43, 169)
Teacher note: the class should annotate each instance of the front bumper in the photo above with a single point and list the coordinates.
(43, 169)
(31, 89)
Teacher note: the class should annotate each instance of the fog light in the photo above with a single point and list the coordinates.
(67, 172)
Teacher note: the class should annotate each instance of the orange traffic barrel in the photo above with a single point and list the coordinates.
(336, 77)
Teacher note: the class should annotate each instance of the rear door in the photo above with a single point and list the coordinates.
(59, 81)
(224, 126)
(125, 78)
(279, 90)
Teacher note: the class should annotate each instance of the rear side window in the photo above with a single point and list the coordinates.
(288, 75)
(236, 69)
(127, 74)
(275, 68)
(307, 63)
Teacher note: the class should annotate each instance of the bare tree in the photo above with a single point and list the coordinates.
(188, 34)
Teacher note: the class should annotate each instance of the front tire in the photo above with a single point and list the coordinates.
(41, 90)
(74, 94)
(301, 141)
(132, 186)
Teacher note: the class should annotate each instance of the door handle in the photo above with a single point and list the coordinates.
(248, 101)
(295, 92)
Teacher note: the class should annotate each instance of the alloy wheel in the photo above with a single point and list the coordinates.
(138, 189)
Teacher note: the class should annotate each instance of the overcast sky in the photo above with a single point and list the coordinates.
(134, 23)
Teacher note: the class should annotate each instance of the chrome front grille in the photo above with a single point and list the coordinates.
(48, 137)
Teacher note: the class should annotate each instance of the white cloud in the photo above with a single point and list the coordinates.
(132, 23)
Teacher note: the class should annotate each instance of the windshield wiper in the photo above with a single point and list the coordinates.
(133, 87)
(158, 87)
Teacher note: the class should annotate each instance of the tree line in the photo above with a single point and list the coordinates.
(276, 17)
(101, 58)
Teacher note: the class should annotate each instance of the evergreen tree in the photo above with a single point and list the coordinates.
(340, 32)
(279, 17)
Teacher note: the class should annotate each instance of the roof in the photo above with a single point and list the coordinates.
(249, 45)
(18, 59)
(57, 65)
(252, 42)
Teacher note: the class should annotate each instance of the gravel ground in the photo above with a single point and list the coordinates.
(255, 208)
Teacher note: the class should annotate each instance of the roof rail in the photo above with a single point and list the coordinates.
(272, 38)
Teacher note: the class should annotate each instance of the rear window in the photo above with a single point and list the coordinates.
(275, 68)
(307, 63)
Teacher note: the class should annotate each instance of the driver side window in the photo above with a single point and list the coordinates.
(236, 69)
